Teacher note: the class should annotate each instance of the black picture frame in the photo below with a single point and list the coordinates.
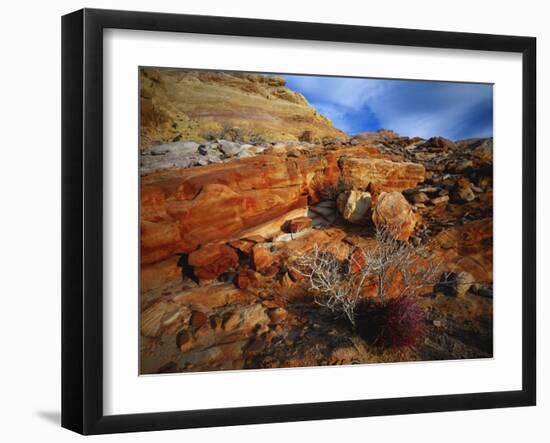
(82, 219)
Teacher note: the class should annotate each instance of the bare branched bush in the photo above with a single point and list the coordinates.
(394, 260)
(331, 281)
(337, 284)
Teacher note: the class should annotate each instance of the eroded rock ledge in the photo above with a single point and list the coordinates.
(182, 209)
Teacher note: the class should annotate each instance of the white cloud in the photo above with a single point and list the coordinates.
(414, 108)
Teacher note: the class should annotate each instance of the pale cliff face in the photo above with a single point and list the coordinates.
(202, 105)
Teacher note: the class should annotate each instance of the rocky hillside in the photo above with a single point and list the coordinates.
(204, 105)
(223, 222)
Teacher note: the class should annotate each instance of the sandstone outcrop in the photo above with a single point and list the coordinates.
(199, 105)
(211, 260)
(354, 206)
(394, 213)
(359, 173)
(185, 208)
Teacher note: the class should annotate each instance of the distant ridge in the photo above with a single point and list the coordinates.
(204, 105)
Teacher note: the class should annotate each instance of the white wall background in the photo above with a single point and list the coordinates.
(30, 219)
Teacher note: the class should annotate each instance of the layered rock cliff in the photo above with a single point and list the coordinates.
(202, 105)
(182, 209)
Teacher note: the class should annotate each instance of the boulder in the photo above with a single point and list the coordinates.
(386, 175)
(245, 246)
(211, 260)
(441, 143)
(354, 206)
(229, 149)
(455, 284)
(262, 257)
(393, 212)
(297, 225)
(462, 191)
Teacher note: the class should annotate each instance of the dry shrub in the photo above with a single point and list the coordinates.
(337, 284)
(331, 281)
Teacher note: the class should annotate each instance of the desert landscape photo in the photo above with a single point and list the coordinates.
(302, 220)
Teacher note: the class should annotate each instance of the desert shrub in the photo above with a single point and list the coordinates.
(397, 322)
(256, 138)
(226, 132)
(392, 266)
(394, 260)
(231, 133)
(331, 281)
(212, 134)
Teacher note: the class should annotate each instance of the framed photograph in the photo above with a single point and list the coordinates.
(269, 221)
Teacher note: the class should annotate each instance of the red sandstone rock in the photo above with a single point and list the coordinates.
(357, 260)
(247, 278)
(159, 274)
(354, 206)
(207, 298)
(358, 173)
(393, 212)
(159, 234)
(261, 257)
(182, 209)
(467, 248)
(286, 281)
(244, 246)
(153, 204)
(198, 319)
(297, 224)
(212, 260)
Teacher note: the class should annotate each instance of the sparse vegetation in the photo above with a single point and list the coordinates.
(332, 281)
(394, 267)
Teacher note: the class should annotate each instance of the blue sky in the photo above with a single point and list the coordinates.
(411, 108)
